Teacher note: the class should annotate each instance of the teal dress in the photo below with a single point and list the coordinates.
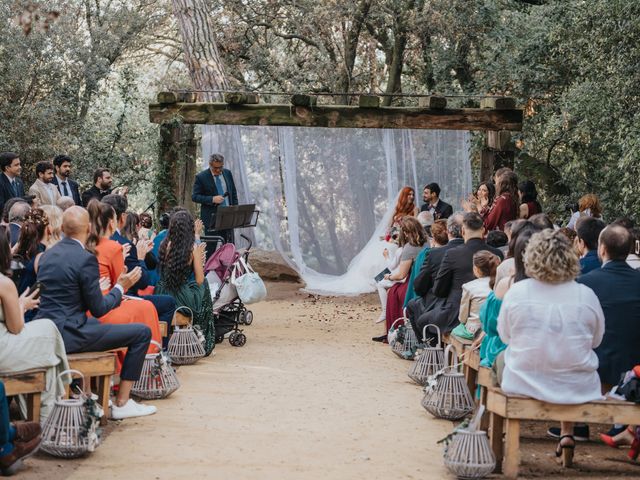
(491, 343)
(415, 270)
(198, 299)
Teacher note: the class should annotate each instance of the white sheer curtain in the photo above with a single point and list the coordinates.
(327, 195)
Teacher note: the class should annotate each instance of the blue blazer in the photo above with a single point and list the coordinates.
(590, 262)
(204, 189)
(73, 186)
(6, 192)
(70, 278)
(617, 286)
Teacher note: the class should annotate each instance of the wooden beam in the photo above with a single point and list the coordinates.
(337, 116)
(302, 100)
(240, 98)
(498, 103)
(369, 101)
(434, 102)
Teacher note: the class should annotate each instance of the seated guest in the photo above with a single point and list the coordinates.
(17, 214)
(528, 195)
(443, 237)
(65, 202)
(16, 441)
(482, 201)
(146, 227)
(570, 234)
(507, 268)
(455, 270)
(588, 206)
(70, 277)
(587, 232)
(31, 245)
(433, 204)
(538, 317)
(633, 259)
(505, 205)
(157, 241)
(475, 292)
(131, 227)
(139, 256)
(111, 266)
(411, 239)
(541, 221)
(392, 263)
(181, 265)
(54, 229)
(37, 344)
(499, 240)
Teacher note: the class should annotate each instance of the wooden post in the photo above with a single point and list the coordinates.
(177, 165)
(433, 102)
(511, 449)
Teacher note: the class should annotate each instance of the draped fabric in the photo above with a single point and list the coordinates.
(327, 195)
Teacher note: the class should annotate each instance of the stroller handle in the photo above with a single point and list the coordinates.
(248, 240)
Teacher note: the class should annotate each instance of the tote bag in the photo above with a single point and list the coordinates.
(251, 288)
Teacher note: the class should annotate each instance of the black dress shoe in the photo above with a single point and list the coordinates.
(381, 338)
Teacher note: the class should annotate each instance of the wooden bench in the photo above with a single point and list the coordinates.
(507, 411)
(101, 365)
(30, 383)
(164, 329)
(470, 360)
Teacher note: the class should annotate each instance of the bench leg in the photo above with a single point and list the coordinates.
(496, 424)
(33, 407)
(472, 378)
(104, 384)
(484, 421)
(512, 449)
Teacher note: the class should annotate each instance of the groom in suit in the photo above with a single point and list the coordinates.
(10, 183)
(214, 187)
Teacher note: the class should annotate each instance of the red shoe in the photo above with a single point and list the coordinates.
(610, 440)
(635, 449)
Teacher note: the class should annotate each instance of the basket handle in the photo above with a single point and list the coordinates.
(396, 321)
(446, 357)
(69, 372)
(475, 421)
(153, 342)
(187, 308)
(424, 332)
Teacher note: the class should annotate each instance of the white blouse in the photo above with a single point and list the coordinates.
(551, 331)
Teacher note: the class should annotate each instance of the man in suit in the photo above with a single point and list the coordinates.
(455, 270)
(102, 182)
(69, 276)
(139, 256)
(17, 214)
(587, 233)
(43, 188)
(66, 186)
(212, 188)
(10, 183)
(617, 286)
(432, 203)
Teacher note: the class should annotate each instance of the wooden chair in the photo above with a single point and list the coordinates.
(101, 365)
(30, 383)
(507, 411)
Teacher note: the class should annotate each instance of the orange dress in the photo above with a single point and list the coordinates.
(131, 310)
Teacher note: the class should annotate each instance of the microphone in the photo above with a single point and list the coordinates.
(150, 207)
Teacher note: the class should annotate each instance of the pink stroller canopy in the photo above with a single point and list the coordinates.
(222, 260)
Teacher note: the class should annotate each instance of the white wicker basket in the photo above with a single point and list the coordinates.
(158, 378)
(185, 346)
(469, 453)
(430, 360)
(71, 429)
(406, 342)
(447, 394)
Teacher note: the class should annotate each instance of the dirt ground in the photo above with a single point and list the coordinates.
(309, 396)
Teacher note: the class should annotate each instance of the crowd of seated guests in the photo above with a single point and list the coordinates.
(557, 320)
(82, 280)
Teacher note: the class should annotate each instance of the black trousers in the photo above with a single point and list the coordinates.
(94, 336)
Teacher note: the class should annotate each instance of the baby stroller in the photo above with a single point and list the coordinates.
(228, 309)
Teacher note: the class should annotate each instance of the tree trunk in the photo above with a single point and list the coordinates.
(351, 42)
(201, 53)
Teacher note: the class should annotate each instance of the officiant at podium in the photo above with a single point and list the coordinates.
(212, 188)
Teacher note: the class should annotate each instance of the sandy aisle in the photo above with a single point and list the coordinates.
(309, 396)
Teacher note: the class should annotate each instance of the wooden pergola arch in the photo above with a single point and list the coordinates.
(177, 112)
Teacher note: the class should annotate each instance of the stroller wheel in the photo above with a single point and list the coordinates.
(232, 338)
(240, 340)
(219, 338)
(248, 317)
(242, 317)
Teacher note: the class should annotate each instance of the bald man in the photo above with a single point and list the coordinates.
(69, 276)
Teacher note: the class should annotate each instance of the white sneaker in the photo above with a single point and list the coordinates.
(131, 409)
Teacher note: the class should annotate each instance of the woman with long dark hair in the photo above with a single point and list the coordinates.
(181, 265)
(505, 206)
(109, 254)
(529, 205)
(131, 225)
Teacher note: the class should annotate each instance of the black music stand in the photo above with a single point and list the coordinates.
(227, 219)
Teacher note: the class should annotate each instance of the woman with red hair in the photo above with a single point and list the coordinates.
(406, 205)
